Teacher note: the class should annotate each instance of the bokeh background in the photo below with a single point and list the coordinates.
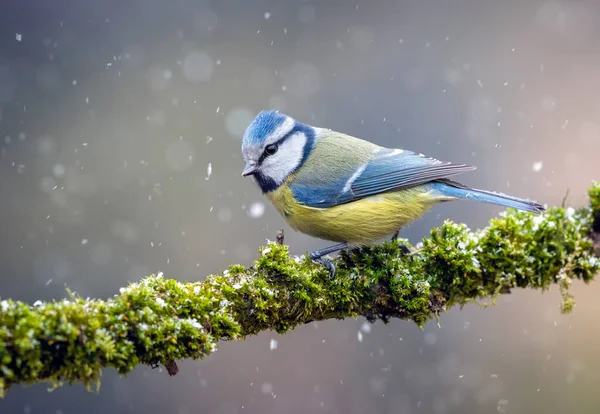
(120, 126)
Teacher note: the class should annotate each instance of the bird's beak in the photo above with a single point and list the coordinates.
(249, 169)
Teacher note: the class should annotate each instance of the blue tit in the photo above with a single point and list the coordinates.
(341, 188)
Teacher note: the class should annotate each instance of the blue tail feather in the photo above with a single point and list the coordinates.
(456, 190)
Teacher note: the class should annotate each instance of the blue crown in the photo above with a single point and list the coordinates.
(262, 126)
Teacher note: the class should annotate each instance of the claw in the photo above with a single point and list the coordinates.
(404, 248)
(317, 256)
(327, 263)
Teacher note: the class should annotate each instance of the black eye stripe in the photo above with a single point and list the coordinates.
(278, 143)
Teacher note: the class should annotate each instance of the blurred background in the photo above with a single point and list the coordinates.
(120, 129)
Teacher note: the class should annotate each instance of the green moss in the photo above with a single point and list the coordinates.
(158, 320)
(594, 195)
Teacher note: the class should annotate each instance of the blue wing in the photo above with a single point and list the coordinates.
(388, 170)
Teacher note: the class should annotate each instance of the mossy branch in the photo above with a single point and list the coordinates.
(159, 321)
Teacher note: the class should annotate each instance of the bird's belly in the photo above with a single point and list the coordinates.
(359, 222)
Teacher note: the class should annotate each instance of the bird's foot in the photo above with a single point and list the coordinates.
(405, 249)
(317, 256)
(325, 262)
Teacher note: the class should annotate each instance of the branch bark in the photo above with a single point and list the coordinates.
(158, 320)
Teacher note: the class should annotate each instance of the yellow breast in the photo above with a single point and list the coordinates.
(359, 222)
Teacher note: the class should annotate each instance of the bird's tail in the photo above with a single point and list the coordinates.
(448, 188)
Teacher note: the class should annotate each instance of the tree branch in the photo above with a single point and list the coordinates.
(159, 321)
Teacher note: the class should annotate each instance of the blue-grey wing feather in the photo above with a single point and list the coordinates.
(388, 170)
(391, 170)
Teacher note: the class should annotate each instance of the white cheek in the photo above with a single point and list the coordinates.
(289, 156)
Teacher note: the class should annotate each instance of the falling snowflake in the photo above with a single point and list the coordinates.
(256, 210)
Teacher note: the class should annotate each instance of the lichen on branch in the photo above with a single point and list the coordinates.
(159, 320)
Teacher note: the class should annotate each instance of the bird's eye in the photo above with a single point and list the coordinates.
(271, 149)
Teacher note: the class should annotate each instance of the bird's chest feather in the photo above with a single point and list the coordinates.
(308, 220)
(283, 200)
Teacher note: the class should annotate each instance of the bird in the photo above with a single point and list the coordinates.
(344, 189)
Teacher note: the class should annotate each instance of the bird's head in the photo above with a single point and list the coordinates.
(274, 146)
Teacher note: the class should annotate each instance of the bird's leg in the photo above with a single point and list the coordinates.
(402, 247)
(317, 256)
